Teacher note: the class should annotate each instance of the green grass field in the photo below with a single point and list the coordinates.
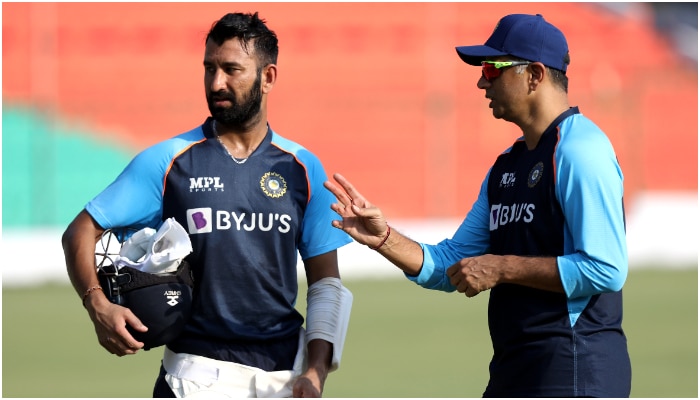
(403, 341)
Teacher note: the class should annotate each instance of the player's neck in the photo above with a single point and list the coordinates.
(241, 142)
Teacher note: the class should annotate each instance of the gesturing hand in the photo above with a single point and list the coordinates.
(361, 220)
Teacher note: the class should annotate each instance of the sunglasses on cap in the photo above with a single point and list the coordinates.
(491, 70)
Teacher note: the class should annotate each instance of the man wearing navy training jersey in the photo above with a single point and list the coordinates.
(251, 202)
(546, 234)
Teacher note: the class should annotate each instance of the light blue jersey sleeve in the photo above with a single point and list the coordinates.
(135, 198)
(318, 236)
(470, 239)
(589, 187)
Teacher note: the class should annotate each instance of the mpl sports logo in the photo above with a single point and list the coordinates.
(503, 214)
(205, 220)
(206, 184)
(507, 180)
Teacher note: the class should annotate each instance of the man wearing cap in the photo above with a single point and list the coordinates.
(546, 234)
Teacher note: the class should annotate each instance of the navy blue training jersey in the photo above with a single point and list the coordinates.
(248, 224)
(562, 199)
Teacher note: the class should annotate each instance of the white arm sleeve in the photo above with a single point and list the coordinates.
(328, 305)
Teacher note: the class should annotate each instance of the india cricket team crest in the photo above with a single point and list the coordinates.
(535, 175)
(273, 185)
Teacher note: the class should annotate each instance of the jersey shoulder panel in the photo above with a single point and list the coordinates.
(302, 154)
(311, 163)
(170, 148)
(579, 135)
(318, 235)
(134, 199)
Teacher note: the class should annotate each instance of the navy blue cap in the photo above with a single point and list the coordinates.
(524, 36)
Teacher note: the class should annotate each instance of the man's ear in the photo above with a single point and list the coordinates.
(537, 74)
(268, 77)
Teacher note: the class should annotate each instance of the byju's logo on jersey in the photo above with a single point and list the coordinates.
(273, 185)
(206, 184)
(199, 220)
(507, 180)
(502, 214)
(205, 220)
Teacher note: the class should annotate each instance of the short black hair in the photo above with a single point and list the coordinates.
(246, 27)
(558, 76)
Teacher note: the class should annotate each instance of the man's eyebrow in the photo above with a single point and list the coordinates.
(223, 64)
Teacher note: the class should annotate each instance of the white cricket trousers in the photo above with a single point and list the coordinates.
(200, 377)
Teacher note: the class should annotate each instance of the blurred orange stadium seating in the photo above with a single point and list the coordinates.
(375, 89)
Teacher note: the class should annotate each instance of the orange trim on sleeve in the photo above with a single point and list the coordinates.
(170, 165)
(554, 156)
(308, 180)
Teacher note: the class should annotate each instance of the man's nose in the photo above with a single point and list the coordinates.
(482, 83)
(218, 81)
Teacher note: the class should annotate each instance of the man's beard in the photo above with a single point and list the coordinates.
(239, 115)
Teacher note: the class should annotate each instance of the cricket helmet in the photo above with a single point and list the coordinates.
(163, 302)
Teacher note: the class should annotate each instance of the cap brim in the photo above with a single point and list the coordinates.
(474, 55)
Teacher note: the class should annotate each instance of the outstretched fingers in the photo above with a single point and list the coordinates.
(350, 202)
(341, 207)
(352, 194)
(343, 199)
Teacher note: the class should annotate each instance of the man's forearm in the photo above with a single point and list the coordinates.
(536, 272)
(403, 252)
